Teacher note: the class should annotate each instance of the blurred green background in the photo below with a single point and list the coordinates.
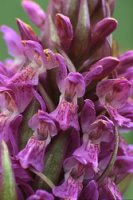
(10, 9)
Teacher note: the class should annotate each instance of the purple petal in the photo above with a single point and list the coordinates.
(13, 132)
(126, 61)
(65, 30)
(26, 31)
(87, 154)
(127, 110)
(109, 64)
(101, 130)
(74, 85)
(110, 191)
(88, 115)
(113, 92)
(52, 59)
(69, 189)
(70, 163)
(24, 190)
(13, 41)
(7, 102)
(35, 12)
(101, 69)
(21, 174)
(33, 154)
(40, 100)
(93, 74)
(61, 72)
(43, 124)
(41, 195)
(74, 142)
(66, 115)
(22, 86)
(90, 192)
(123, 165)
(124, 148)
(26, 76)
(119, 119)
(103, 29)
(34, 53)
(9, 132)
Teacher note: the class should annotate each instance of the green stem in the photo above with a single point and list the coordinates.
(44, 178)
(110, 165)
(26, 131)
(46, 98)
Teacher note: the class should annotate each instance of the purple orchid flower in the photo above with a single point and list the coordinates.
(69, 93)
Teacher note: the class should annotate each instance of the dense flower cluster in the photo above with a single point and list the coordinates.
(65, 97)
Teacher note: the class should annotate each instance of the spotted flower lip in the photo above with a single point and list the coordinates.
(66, 115)
(69, 189)
(65, 98)
(88, 155)
(33, 154)
(73, 87)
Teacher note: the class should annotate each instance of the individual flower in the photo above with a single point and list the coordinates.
(71, 88)
(33, 153)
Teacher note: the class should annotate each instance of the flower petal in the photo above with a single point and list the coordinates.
(65, 30)
(113, 92)
(88, 115)
(26, 31)
(35, 13)
(41, 194)
(33, 154)
(13, 41)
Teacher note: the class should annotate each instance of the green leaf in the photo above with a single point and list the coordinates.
(26, 131)
(54, 159)
(8, 190)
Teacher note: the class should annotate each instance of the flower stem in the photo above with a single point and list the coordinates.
(46, 98)
(43, 178)
(110, 165)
